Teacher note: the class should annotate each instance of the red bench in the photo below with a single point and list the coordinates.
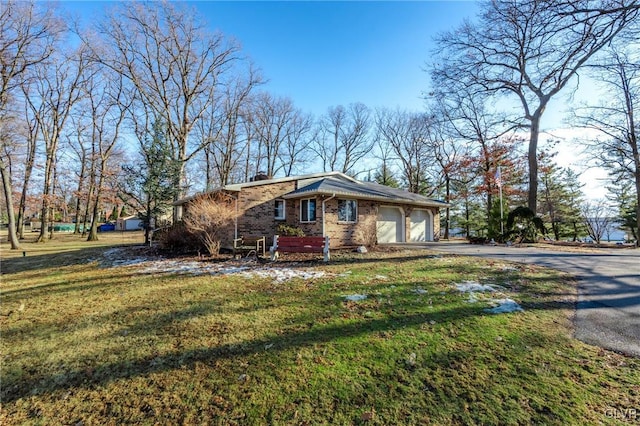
(300, 245)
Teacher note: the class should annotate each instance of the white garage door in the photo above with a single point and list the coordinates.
(389, 225)
(421, 229)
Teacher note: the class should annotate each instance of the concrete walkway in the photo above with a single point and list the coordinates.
(608, 310)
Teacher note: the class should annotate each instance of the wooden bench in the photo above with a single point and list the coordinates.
(247, 245)
(300, 245)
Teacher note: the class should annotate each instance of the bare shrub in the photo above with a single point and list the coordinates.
(210, 218)
(177, 239)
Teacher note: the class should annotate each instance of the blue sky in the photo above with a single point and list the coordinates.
(328, 53)
(322, 54)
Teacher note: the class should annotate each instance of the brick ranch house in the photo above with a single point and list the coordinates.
(349, 211)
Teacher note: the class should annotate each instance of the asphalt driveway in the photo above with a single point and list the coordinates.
(608, 309)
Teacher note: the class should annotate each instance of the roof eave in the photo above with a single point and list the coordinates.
(200, 194)
(306, 194)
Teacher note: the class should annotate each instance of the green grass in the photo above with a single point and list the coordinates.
(86, 343)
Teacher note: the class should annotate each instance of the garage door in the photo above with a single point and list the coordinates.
(389, 225)
(420, 226)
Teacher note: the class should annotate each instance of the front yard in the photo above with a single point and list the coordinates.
(112, 335)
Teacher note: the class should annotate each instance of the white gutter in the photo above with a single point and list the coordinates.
(323, 211)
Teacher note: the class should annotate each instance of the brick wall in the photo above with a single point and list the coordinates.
(256, 208)
(362, 232)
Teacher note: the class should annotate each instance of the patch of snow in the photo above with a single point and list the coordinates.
(118, 257)
(381, 277)
(355, 297)
(420, 291)
(473, 286)
(505, 306)
(280, 275)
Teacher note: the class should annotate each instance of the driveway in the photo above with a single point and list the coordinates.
(608, 309)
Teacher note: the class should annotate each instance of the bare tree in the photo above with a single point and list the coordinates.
(597, 219)
(271, 118)
(616, 116)
(210, 217)
(31, 132)
(296, 154)
(467, 117)
(172, 62)
(448, 150)
(529, 49)
(52, 94)
(221, 127)
(107, 105)
(79, 147)
(28, 33)
(407, 135)
(344, 138)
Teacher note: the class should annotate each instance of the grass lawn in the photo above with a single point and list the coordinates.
(87, 340)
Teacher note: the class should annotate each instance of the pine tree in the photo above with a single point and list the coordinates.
(152, 182)
(623, 197)
(384, 176)
(559, 197)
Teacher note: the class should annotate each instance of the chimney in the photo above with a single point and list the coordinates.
(260, 176)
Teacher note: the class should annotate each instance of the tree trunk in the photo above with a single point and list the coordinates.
(95, 216)
(44, 219)
(28, 168)
(533, 163)
(447, 214)
(52, 215)
(466, 214)
(6, 185)
(83, 167)
(147, 232)
(93, 232)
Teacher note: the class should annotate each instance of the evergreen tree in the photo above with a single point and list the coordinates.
(114, 213)
(559, 197)
(151, 184)
(623, 196)
(384, 176)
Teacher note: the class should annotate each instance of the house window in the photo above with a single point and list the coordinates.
(308, 210)
(279, 210)
(347, 210)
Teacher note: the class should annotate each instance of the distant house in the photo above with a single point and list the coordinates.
(349, 211)
(128, 223)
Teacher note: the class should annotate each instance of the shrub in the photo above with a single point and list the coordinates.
(290, 231)
(210, 218)
(177, 238)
